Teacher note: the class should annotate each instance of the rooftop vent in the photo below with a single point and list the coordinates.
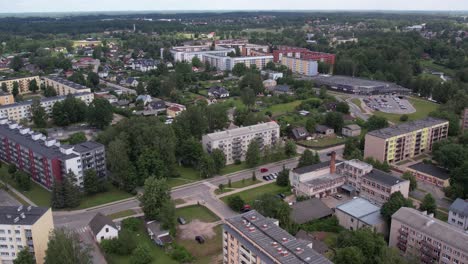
(23, 215)
(29, 208)
(279, 249)
(275, 244)
(16, 220)
(20, 208)
(251, 229)
(253, 217)
(264, 225)
(8, 216)
(284, 239)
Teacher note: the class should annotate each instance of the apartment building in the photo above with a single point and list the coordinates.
(465, 119)
(458, 214)
(63, 86)
(22, 110)
(306, 67)
(431, 240)
(187, 53)
(23, 83)
(24, 227)
(6, 98)
(397, 143)
(234, 142)
(224, 63)
(44, 158)
(252, 238)
(295, 52)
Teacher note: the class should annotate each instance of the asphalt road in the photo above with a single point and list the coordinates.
(7, 200)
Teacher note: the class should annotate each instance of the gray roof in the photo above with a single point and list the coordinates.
(314, 167)
(362, 209)
(299, 132)
(406, 127)
(218, 90)
(43, 100)
(264, 232)
(308, 210)
(282, 88)
(87, 146)
(322, 128)
(353, 82)
(67, 82)
(431, 169)
(353, 127)
(317, 245)
(460, 207)
(155, 228)
(433, 227)
(99, 221)
(8, 214)
(383, 177)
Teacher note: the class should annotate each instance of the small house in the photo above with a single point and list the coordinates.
(160, 236)
(299, 133)
(351, 130)
(218, 92)
(103, 227)
(324, 130)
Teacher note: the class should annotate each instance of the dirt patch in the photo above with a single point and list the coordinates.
(196, 228)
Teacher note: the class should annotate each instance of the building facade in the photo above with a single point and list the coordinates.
(23, 83)
(234, 142)
(458, 214)
(252, 238)
(429, 239)
(63, 86)
(226, 63)
(430, 173)
(351, 131)
(22, 110)
(6, 98)
(306, 67)
(295, 52)
(394, 144)
(187, 53)
(24, 227)
(45, 159)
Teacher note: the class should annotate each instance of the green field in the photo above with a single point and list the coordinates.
(199, 212)
(187, 175)
(206, 252)
(423, 108)
(237, 185)
(323, 142)
(357, 102)
(122, 214)
(113, 194)
(280, 109)
(250, 195)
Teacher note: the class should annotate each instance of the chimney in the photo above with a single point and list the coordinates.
(332, 162)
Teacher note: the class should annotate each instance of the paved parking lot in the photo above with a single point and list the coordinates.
(389, 104)
(332, 202)
(7, 200)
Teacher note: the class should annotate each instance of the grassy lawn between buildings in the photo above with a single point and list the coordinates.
(323, 142)
(250, 195)
(199, 212)
(207, 252)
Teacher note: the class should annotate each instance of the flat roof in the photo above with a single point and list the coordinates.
(314, 167)
(434, 227)
(8, 214)
(347, 81)
(431, 169)
(362, 209)
(406, 127)
(67, 82)
(43, 100)
(270, 238)
(383, 177)
(236, 132)
(308, 210)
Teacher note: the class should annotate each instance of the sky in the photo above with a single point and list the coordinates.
(23, 6)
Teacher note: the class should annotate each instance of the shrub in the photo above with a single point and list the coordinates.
(131, 224)
(236, 203)
(181, 254)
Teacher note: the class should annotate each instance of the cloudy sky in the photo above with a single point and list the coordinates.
(17, 6)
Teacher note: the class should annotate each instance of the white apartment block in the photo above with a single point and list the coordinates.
(22, 227)
(224, 63)
(187, 53)
(234, 142)
(458, 214)
(63, 86)
(22, 110)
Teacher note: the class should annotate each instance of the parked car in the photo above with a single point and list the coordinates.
(246, 208)
(338, 196)
(263, 170)
(200, 239)
(181, 220)
(282, 195)
(265, 178)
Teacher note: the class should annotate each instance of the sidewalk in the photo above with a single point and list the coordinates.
(26, 199)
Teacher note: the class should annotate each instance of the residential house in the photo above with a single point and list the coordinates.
(351, 130)
(160, 236)
(299, 133)
(458, 214)
(103, 227)
(145, 98)
(132, 82)
(272, 74)
(324, 130)
(144, 65)
(218, 92)
(173, 111)
(269, 84)
(281, 89)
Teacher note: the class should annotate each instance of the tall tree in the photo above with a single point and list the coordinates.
(370, 243)
(156, 194)
(283, 177)
(239, 69)
(4, 87)
(100, 113)
(64, 247)
(395, 202)
(33, 87)
(219, 159)
(39, 115)
(252, 157)
(24, 257)
(16, 63)
(92, 80)
(459, 181)
(140, 89)
(334, 120)
(207, 166)
(349, 255)
(91, 182)
(428, 204)
(376, 122)
(308, 158)
(65, 193)
(15, 91)
(410, 177)
(290, 148)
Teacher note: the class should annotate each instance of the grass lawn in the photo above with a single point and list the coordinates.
(441, 215)
(206, 252)
(233, 168)
(187, 175)
(429, 64)
(121, 214)
(423, 108)
(250, 195)
(357, 102)
(236, 185)
(113, 194)
(199, 212)
(323, 142)
(159, 256)
(279, 109)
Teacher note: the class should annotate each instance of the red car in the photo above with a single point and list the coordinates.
(263, 170)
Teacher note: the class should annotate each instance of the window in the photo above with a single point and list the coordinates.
(107, 230)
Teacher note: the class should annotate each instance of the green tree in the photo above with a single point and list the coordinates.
(410, 177)
(235, 203)
(254, 176)
(376, 122)
(76, 138)
(100, 113)
(196, 62)
(310, 125)
(334, 120)
(65, 248)
(140, 89)
(39, 115)
(92, 80)
(168, 216)
(349, 255)
(404, 118)
(24, 257)
(395, 202)
(308, 158)
(91, 182)
(16, 63)
(180, 254)
(23, 180)
(4, 87)
(77, 77)
(451, 155)
(65, 193)
(69, 111)
(270, 206)
(252, 157)
(239, 69)
(207, 166)
(370, 243)
(283, 177)
(342, 107)
(428, 204)
(459, 181)
(15, 90)
(50, 92)
(219, 160)
(290, 148)
(156, 194)
(12, 169)
(33, 87)
(248, 97)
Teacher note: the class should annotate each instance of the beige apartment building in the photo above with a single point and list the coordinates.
(22, 227)
(6, 98)
(23, 83)
(63, 86)
(431, 240)
(394, 144)
(252, 238)
(234, 142)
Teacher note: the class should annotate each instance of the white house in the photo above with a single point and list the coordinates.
(103, 227)
(157, 234)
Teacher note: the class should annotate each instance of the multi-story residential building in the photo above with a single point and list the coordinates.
(397, 143)
(234, 142)
(458, 214)
(63, 86)
(23, 83)
(295, 52)
(6, 98)
(360, 213)
(252, 238)
(431, 240)
(44, 158)
(24, 227)
(465, 119)
(224, 63)
(307, 67)
(144, 65)
(187, 53)
(22, 110)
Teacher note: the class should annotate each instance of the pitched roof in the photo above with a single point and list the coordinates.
(99, 221)
(299, 132)
(353, 127)
(308, 210)
(383, 177)
(431, 169)
(460, 207)
(322, 128)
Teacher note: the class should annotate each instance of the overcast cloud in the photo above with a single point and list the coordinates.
(17, 6)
